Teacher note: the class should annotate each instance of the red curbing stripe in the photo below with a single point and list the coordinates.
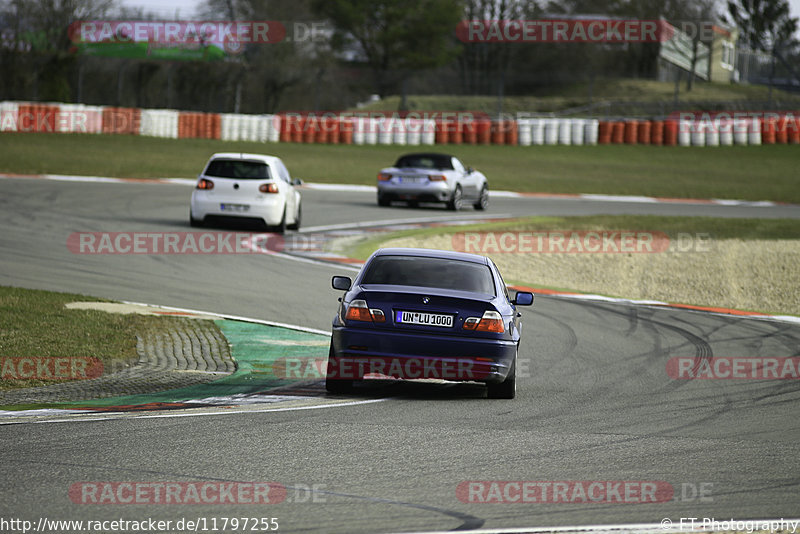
(710, 309)
(549, 195)
(542, 291)
(726, 311)
(351, 261)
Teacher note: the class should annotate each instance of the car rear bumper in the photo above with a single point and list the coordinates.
(419, 356)
(269, 209)
(430, 192)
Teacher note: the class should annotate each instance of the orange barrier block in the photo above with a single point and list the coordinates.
(769, 128)
(346, 127)
(442, 135)
(512, 133)
(456, 132)
(794, 131)
(604, 131)
(782, 130)
(617, 132)
(470, 134)
(299, 128)
(484, 131)
(216, 126)
(645, 133)
(310, 129)
(671, 132)
(631, 132)
(498, 132)
(657, 133)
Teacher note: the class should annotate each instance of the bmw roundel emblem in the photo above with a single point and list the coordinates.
(426, 300)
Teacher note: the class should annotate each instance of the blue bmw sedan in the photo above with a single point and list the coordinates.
(426, 314)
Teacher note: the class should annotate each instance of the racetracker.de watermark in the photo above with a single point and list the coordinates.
(50, 368)
(733, 368)
(579, 242)
(564, 492)
(598, 30)
(166, 243)
(177, 493)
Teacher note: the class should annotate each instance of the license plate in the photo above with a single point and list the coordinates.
(427, 319)
(235, 208)
(413, 179)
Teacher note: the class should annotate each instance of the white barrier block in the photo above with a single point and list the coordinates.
(524, 135)
(428, 132)
(413, 131)
(754, 131)
(592, 131)
(564, 132)
(9, 116)
(551, 127)
(578, 127)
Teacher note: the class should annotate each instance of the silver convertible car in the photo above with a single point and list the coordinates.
(430, 177)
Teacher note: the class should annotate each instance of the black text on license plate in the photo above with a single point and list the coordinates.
(428, 319)
(238, 208)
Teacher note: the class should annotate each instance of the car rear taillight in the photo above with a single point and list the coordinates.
(491, 321)
(437, 178)
(384, 177)
(205, 184)
(360, 311)
(268, 188)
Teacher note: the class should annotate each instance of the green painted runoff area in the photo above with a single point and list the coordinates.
(264, 355)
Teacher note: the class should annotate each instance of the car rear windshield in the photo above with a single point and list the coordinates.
(430, 272)
(242, 170)
(425, 161)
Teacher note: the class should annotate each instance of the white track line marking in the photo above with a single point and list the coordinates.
(131, 415)
(638, 528)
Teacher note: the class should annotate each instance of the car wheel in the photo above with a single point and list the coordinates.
(296, 224)
(483, 200)
(281, 228)
(333, 384)
(456, 200)
(194, 223)
(506, 389)
(383, 201)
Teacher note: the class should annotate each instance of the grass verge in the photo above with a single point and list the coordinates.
(737, 172)
(715, 227)
(35, 324)
(746, 265)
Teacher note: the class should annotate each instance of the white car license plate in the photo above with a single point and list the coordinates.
(413, 179)
(427, 319)
(235, 208)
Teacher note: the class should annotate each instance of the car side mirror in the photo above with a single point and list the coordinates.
(297, 181)
(470, 170)
(523, 298)
(342, 283)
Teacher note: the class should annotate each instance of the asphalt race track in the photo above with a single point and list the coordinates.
(594, 404)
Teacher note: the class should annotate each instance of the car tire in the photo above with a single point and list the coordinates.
(507, 389)
(383, 201)
(457, 200)
(194, 223)
(296, 224)
(336, 385)
(281, 228)
(483, 199)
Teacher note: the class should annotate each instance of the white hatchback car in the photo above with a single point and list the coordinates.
(246, 187)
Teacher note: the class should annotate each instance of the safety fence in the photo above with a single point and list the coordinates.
(391, 129)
